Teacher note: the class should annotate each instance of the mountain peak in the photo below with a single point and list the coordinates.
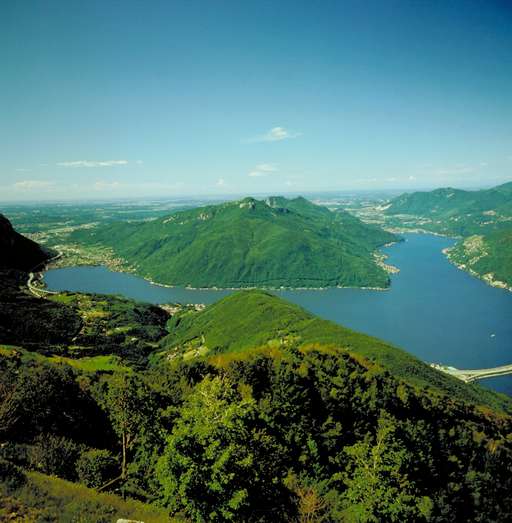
(251, 243)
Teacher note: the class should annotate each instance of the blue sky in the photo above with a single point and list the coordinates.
(104, 99)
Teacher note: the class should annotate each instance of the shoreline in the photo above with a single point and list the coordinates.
(497, 284)
(378, 254)
(488, 280)
(123, 267)
(399, 230)
(213, 288)
(217, 289)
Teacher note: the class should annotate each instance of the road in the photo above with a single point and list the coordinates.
(35, 274)
(470, 375)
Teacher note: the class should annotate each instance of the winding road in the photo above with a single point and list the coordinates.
(35, 274)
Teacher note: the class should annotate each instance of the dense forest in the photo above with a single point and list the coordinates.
(249, 243)
(249, 410)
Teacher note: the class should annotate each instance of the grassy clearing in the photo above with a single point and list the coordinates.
(66, 299)
(94, 363)
(43, 498)
(107, 363)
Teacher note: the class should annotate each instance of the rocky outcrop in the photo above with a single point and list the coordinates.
(18, 252)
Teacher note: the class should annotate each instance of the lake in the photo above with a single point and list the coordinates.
(433, 310)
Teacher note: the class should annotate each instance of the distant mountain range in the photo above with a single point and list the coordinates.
(454, 211)
(483, 218)
(250, 243)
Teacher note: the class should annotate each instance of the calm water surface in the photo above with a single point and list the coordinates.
(433, 310)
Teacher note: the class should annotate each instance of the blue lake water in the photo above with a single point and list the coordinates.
(433, 309)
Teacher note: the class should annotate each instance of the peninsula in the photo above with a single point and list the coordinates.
(271, 243)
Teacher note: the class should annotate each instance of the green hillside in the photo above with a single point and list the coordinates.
(250, 243)
(482, 218)
(257, 318)
(488, 257)
(18, 252)
(458, 212)
(276, 423)
(252, 410)
(33, 497)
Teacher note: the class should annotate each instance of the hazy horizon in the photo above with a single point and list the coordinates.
(384, 193)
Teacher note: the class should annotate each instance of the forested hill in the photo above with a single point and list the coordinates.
(486, 256)
(252, 410)
(250, 243)
(257, 318)
(482, 218)
(18, 252)
(454, 211)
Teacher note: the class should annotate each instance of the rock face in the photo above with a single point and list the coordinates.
(18, 252)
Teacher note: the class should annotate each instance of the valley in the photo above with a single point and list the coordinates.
(480, 220)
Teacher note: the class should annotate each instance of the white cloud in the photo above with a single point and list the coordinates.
(457, 169)
(106, 186)
(412, 178)
(92, 163)
(263, 169)
(23, 170)
(221, 182)
(366, 180)
(454, 170)
(32, 185)
(134, 188)
(276, 134)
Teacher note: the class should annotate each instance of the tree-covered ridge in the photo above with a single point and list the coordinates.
(256, 318)
(284, 433)
(253, 410)
(267, 434)
(250, 243)
(457, 212)
(278, 427)
(18, 252)
(486, 256)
